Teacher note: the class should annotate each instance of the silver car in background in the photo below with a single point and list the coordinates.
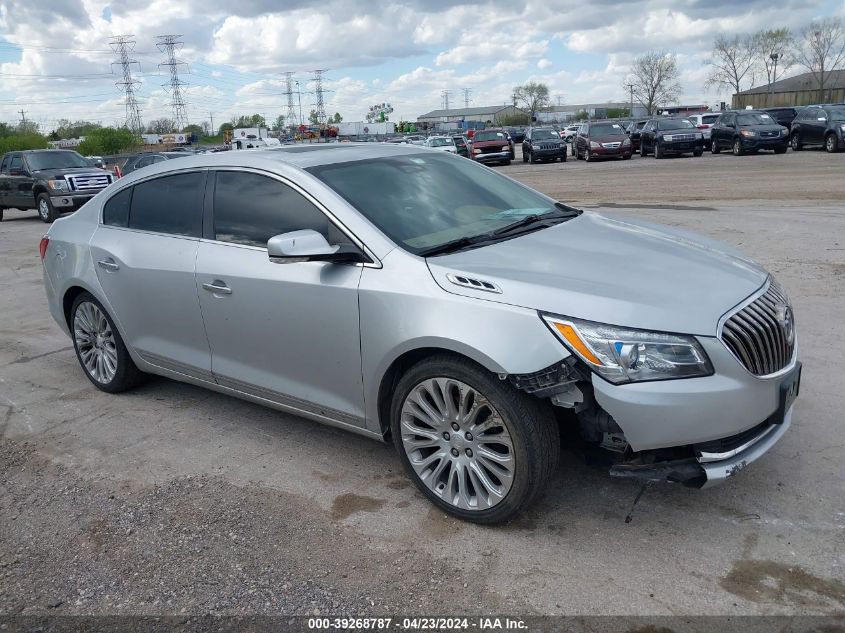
(414, 296)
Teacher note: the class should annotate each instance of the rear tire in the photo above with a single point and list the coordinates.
(517, 460)
(45, 208)
(100, 348)
(698, 153)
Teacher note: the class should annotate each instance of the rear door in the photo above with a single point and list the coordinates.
(4, 180)
(812, 128)
(287, 332)
(20, 194)
(144, 253)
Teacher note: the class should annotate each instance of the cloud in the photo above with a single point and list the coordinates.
(544, 63)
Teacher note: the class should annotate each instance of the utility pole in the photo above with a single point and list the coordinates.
(467, 92)
(169, 44)
(774, 57)
(318, 91)
(631, 112)
(289, 94)
(23, 117)
(213, 131)
(444, 94)
(299, 95)
(123, 45)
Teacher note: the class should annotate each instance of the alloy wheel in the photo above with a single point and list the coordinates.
(830, 143)
(457, 443)
(43, 209)
(95, 341)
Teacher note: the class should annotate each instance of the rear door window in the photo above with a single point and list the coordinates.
(169, 204)
(16, 164)
(116, 209)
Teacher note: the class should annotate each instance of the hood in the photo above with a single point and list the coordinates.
(612, 271)
(47, 174)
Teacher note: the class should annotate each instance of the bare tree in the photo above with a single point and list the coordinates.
(821, 50)
(161, 126)
(773, 51)
(534, 96)
(732, 63)
(654, 77)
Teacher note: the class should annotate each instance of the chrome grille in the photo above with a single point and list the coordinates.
(766, 134)
(88, 182)
(614, 145)
(549, 146)
(761, 335)
(683, 137)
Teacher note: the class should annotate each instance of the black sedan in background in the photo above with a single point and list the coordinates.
(665, 136)
(543, 143)
(748, 131)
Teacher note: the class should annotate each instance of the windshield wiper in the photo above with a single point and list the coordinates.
(564, 213)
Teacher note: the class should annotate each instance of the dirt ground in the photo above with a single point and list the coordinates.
(172, 500)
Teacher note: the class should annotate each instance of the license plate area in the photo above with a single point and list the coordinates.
(789, 387)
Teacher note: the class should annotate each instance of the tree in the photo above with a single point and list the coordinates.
(255, 120)
(534, 97)
(520, 118)
(226, 126)
(732, 63)
(193, 129)
(337, 118)
(773, 50)
(279, 123)
(107, 140)
(73, 129)
(654, 76)
(313, 118)
(27, 127)
(161, 126)
(821, 50)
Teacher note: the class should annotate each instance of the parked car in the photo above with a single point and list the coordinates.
(415, 139)
(783, 116)
(663, 136)
(443, 143)
(51, 181)
(543, 143)
(633, 131)
(704, 121)
(819, 125)
(462, 145)
(149, 158)
(517, 134)
(492, 146)
(748, 131)
(601, 140)
(568, 133)
(457, 322)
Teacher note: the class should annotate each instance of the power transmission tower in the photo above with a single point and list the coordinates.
(467, 92)
(318, 91)
(169, 44)
(123, 45)
(291, 120)
(444, 94)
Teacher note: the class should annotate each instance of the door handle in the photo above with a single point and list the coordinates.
(218, 288)
(108, 264)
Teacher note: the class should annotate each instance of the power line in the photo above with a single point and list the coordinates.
(169, 44)
(318, 91)
(289, 94)
(122, 46)
(467, 92)
(444, 95)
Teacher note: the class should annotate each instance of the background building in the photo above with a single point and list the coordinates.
(485, 114)
(564, 113)
(793, 91)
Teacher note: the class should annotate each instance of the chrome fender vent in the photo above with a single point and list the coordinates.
(475, 284)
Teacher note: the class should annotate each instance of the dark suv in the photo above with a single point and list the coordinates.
(52, 181)
(603, 139)
(633, 132)
(784, 116)
(543, 143)
(819, 125)
(748, 131)
(666, 136)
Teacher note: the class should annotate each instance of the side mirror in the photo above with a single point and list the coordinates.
(308, 246)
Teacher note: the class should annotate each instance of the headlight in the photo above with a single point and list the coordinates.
(506, 148)
(666, 137)
(748, 133)
(622, 355)
(841, 127)
(699, 135)
(594, 145)
(476, 151)
(57, 185)
(785, 132)
(562, 145)
(627, 141)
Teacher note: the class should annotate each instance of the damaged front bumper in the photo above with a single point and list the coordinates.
(708, 468)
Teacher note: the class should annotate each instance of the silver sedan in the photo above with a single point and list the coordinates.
(413, 296)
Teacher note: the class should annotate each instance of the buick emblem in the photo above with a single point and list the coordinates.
(786, 320)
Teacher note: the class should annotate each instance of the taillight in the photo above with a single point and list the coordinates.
(703, 126)
(42, 247)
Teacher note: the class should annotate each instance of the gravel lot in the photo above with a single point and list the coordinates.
(172, 500)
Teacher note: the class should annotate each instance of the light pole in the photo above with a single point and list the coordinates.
(631, 113)
(299, 96)
(774, 57)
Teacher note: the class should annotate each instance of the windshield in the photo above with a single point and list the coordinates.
(754, 118)
(607, 129)
(422, 201)
(490, 136)
(440, 142)
(538, 135)
(674, 124)
(55, 160)
(709, 119)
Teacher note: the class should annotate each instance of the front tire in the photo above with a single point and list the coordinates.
(475, 446)
(643, 153)
(531, 158)
(795, 142)
(831, 144)
(658, 151)
(737, 147)
(714, 147)
(99, 347)
(46, 210)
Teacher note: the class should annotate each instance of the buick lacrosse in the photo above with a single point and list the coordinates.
(417, 297)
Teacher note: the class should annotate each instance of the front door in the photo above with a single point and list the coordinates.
(285, 332)
(144, 253)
